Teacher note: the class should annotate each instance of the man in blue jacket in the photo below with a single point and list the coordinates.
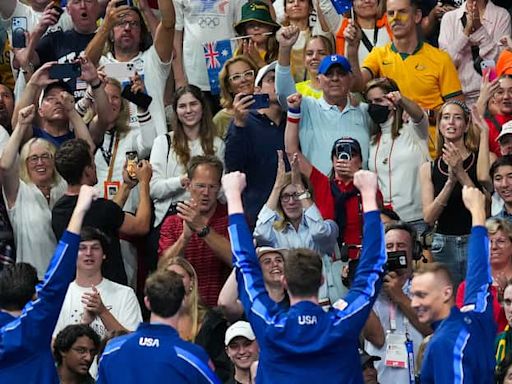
(154, 353)
(26, 326)
(304, 344)
(461, 349)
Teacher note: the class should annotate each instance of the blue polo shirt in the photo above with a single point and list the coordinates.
(154, 353)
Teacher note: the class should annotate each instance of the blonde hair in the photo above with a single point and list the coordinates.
(122, 122)
(281, 224)
(25, 153)
(471, 137)
(495, 224)
(196, 309)
(226, 97)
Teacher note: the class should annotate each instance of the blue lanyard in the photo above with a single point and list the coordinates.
(410, 359)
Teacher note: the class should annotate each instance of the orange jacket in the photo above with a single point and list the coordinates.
(340, 39)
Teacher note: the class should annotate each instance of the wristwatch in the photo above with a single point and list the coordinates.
(203, 232)
(304, 195)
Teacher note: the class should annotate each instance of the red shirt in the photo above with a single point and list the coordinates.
(499, 313)
(211, 272)
(494, 132)
(325, 203)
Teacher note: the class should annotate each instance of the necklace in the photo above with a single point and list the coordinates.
(446, 173)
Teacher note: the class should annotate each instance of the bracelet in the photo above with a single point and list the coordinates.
(93, 87)
(293, 117)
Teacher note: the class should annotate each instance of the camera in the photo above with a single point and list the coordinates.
(343, 151)
(396, 260)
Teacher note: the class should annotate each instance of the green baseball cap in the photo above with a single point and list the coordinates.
(255, 11)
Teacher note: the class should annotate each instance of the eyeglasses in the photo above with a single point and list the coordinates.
(287, 196)
(500, 243)
(247, 75)
(202, 187)
(34, 159)
(84, 351)
(131, 23)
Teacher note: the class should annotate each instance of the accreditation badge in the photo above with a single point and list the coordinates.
(110, 189)
(396, 351)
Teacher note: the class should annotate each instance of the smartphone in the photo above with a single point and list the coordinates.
(19, 27)
(139, 99)
(261, 101)
(343, 151)
(451, 3)
(132, 159)
(119, 71)
(173, 209)
(58, 9)
(65, 71)
(124, 2)
(489, 66)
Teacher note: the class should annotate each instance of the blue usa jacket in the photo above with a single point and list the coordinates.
(461, 350)
(305, 344)
(25, 355)
(154, 353)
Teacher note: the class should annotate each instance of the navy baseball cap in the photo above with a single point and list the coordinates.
(328, 61)
(354, 145)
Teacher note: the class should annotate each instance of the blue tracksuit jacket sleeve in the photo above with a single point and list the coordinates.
(478, 275)
(251, 288)
(37, 321)
(368, 279)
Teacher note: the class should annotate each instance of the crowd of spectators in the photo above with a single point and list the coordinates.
(338, 209)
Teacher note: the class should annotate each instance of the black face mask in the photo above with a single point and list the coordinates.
(378, 113)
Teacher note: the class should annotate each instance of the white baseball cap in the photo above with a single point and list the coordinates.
(263, 71)
(240, 328)
(506, 129)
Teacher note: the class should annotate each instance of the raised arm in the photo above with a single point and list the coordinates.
(477, 296)
(42, 314)
(485, 156)
(164, 33)
(9, 169)
(75, 120)
(251, 289)
(285, 85)
(228, 301)
(368, 279)
(291, 134)
(113, 16)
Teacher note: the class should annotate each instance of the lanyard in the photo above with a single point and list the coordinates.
(410, 359)
(369, 46)
(109, 156)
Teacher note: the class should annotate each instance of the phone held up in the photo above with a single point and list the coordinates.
(65, 71)
(132, 160)
(343, 151)
(19, 28)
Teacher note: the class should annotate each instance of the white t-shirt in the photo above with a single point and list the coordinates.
(382, 308)
(397, 163)
(31, 220)
(203, 21)
(120, 300)
(154, 72)
(165, 186)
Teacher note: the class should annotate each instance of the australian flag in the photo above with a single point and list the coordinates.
(215, 54)
(342, 6)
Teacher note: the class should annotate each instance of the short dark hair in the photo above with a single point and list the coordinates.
(500, 162)
(165, 291)
(68, 336)
(91, 233)
(210, 160)
(71, 159)
(303, 271)
(17, 286)
(388, 212)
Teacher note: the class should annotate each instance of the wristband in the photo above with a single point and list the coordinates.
(293, 117)
(294, 110)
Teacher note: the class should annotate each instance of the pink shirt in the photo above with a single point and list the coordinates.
(496, 24)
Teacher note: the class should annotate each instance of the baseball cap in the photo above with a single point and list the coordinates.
(240, 328)
(506, 129)
(59, 84)
(260, 251)
(354, 145)
(504, 64)
(365, 357)
(328, 61)
(263, 71)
